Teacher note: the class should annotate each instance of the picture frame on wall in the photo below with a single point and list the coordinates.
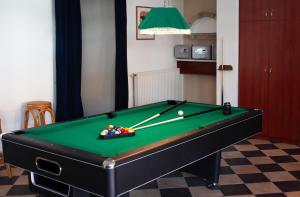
(141, 13)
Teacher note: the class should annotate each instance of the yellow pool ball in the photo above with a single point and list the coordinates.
(104, 132)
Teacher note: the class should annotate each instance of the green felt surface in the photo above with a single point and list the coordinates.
(83, 134)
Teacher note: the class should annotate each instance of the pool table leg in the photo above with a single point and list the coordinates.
(207, 168)
(109, 166)
(111, 186)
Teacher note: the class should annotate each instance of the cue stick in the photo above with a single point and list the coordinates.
(222, 74)
(179, 118)
(159, 114)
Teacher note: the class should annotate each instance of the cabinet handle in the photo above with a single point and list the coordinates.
(267, 13)
(270, 71)
(271, 13)
(266, 69)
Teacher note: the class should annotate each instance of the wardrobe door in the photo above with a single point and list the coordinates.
(284, 9)
(280, 81)
(294, 9)
(280, 9)
(253, 10)
(294, 89)
(253, 62)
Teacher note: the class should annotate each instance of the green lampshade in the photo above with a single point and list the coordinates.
(164, 20)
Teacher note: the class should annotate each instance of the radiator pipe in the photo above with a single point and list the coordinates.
(133, 76)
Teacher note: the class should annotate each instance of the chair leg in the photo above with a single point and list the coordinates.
(26, 114)
(42, 117)
(52, 116)
(9, 170)
(35, 118)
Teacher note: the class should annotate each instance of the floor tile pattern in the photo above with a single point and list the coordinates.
(251, 168)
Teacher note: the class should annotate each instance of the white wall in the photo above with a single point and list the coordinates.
(228, 30)
(146, 55)
(98, 56)
(26, 57)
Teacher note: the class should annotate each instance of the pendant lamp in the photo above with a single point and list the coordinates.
(164, 21)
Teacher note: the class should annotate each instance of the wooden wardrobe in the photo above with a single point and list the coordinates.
(269, 65)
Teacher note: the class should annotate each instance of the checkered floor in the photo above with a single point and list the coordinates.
(251, 168)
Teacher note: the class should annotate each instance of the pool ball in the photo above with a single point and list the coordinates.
(131, 130)
(110, 127)
(180, 113)
(104, 132)
(119, 128)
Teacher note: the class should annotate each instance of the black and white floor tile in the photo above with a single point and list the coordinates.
(251, 168)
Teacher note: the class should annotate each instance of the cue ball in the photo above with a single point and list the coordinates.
(180, 113)
(104, 132)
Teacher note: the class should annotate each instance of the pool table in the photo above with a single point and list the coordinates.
(69, 158)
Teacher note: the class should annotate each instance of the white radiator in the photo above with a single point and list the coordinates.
(158, 85)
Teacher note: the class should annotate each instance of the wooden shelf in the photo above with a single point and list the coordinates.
(195, 60)
(200, 67)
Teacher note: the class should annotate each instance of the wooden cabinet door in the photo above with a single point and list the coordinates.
(253, 62)
(294, 9)
(293, 106)
(254, 10)
(284, 9)
(284, 82)
(279, 78)
(279, 9)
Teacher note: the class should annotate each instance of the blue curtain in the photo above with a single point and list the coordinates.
(121, 76)
(68, 60)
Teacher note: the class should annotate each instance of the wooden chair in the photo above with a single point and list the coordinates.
(38, 109)
(8, 168)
